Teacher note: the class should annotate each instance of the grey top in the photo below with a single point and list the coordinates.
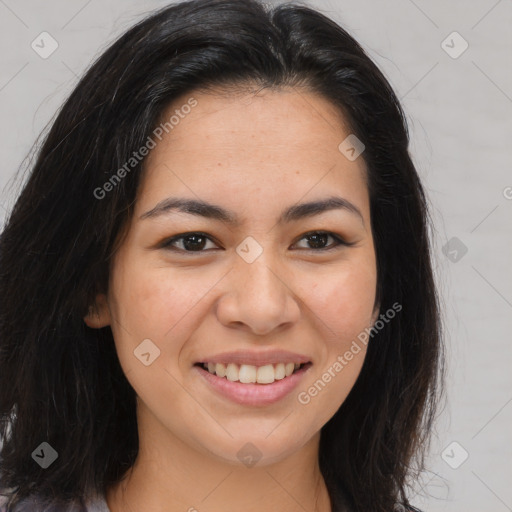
(90, 504)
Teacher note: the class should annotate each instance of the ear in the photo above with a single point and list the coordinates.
(99, 313)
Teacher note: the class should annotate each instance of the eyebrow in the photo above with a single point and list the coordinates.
(212, 211)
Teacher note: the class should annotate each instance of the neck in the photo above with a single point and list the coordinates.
(171, 476)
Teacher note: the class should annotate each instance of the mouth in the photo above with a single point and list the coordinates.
(251, 374)
(252, 385)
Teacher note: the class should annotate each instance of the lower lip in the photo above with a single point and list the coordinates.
(253, 394)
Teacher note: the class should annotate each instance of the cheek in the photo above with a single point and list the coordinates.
(343, 299)
(151, 302)
(157, 305)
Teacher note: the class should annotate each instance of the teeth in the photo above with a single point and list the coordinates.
(232, 372)
(247, 373)
(220, 369)
(279, 371)
(265, 374)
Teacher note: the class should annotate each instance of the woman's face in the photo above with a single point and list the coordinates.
(257, 289)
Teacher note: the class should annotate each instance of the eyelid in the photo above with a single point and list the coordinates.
(340, 241)
(166, 244)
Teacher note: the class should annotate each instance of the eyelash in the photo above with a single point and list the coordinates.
(168, 243)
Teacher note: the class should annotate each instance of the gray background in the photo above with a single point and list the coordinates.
(460, 116)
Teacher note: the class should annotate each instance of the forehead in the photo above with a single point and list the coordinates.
(273, 142)
(289, 117)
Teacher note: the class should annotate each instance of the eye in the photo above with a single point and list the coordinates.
(319, 238)
(191, 242)
(197, 241)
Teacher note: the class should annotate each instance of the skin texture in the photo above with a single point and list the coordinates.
(254, 154)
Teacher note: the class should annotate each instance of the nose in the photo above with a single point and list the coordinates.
(258, 297)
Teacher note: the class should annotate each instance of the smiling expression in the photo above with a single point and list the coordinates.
(251, 234)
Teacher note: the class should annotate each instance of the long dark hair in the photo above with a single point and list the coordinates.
(61, 381)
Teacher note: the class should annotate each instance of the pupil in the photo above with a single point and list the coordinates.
(322, 236)
(317, 239)
(195, 245)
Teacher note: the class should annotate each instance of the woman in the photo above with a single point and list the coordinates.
(216, 288)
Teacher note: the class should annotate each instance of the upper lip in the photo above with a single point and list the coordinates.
(259, 358)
